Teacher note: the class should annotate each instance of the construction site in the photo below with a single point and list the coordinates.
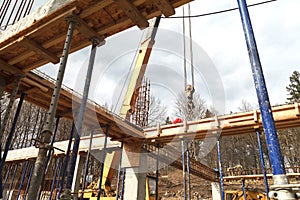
(74, 148)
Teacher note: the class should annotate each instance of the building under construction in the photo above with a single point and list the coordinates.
(120, 145)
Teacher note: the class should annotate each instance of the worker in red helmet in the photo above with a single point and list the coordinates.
(177, 120)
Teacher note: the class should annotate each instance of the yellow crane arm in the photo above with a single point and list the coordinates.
(132, 92)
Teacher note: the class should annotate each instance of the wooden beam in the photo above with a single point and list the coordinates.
(165, 7)
(133, 13)
(10, 68)
(85, 29)
(95, 8)
(34, 46)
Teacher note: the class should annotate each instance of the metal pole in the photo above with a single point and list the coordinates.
(7, 175)
(47, 131)
(9, 139)
(123, 183)
(188, 166)
(22, 178)
(156, 174)
(64, 171)
(12, 99)
(262, 161)
(49, 156)
(243, 189)
(102, 164)
(12, 180)
(220, 171)
(54, 178)
(263, 98)
(183, 168)
(28, 183)
(119, 171)
(95, 43)
(86, 168)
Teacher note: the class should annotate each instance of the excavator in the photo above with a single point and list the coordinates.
(126, 111)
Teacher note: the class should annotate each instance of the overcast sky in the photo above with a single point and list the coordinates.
(222, 67)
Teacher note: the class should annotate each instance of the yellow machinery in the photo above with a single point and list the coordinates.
(239, 195)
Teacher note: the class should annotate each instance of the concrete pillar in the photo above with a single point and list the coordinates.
(78, 173)
(216, 191)
(135, 161)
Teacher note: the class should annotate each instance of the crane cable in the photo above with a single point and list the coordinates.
(189, 88)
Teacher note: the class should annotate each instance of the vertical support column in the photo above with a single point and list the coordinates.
(79, 122)
(183, 168)
(123, 183)
(189, 173)
(216, 191)
(102, 162)
(9, 139)
(86, 167)
(47, 131)
(28, 183)
(262, 161)
(220, 171)
(77, 175)
(22, 178)
(119, 171)
(54, 177)
(64, 170)
(243, 189)
(276, 160)
(157, 173)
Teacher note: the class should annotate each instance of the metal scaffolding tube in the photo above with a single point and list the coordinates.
(12, 180)
(262, 161)
(188, 167)
(86, 168)
(79, 123)
(47, 131)
(50, 152)
(183, 168)
(102, 162)
(12, 99)
(28, 182)
(262, 93)
(243, 189)
(6, 176)
(54, 177)
(157, 173)
(64, 170)
(119, 171)
(22, 178)
(9, 139)
(123, 183)
(220, 171)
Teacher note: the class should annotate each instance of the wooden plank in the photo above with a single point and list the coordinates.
(133, 13)
(10, 68)
(95, 8)
(165, 7)
(85, 30)
(37, 48)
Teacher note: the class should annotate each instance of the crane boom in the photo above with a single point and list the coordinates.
(127, 108)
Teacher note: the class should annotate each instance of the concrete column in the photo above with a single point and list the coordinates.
(135, 161)
(216, 191)
(78, 174)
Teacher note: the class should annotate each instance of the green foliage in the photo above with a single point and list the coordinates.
(293, 88)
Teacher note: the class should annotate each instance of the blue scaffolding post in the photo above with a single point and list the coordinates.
(22, 178)
(220, 171)
(28, 182)
(102, 162)
(243, 189)
(262, 161)
(55, 175)
(67, 193)
(281, 182)
(86, 167)
(66, 162)
(9, 139)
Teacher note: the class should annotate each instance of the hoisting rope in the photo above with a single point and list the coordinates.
(189, 88)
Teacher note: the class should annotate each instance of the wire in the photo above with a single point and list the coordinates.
(221, 11)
